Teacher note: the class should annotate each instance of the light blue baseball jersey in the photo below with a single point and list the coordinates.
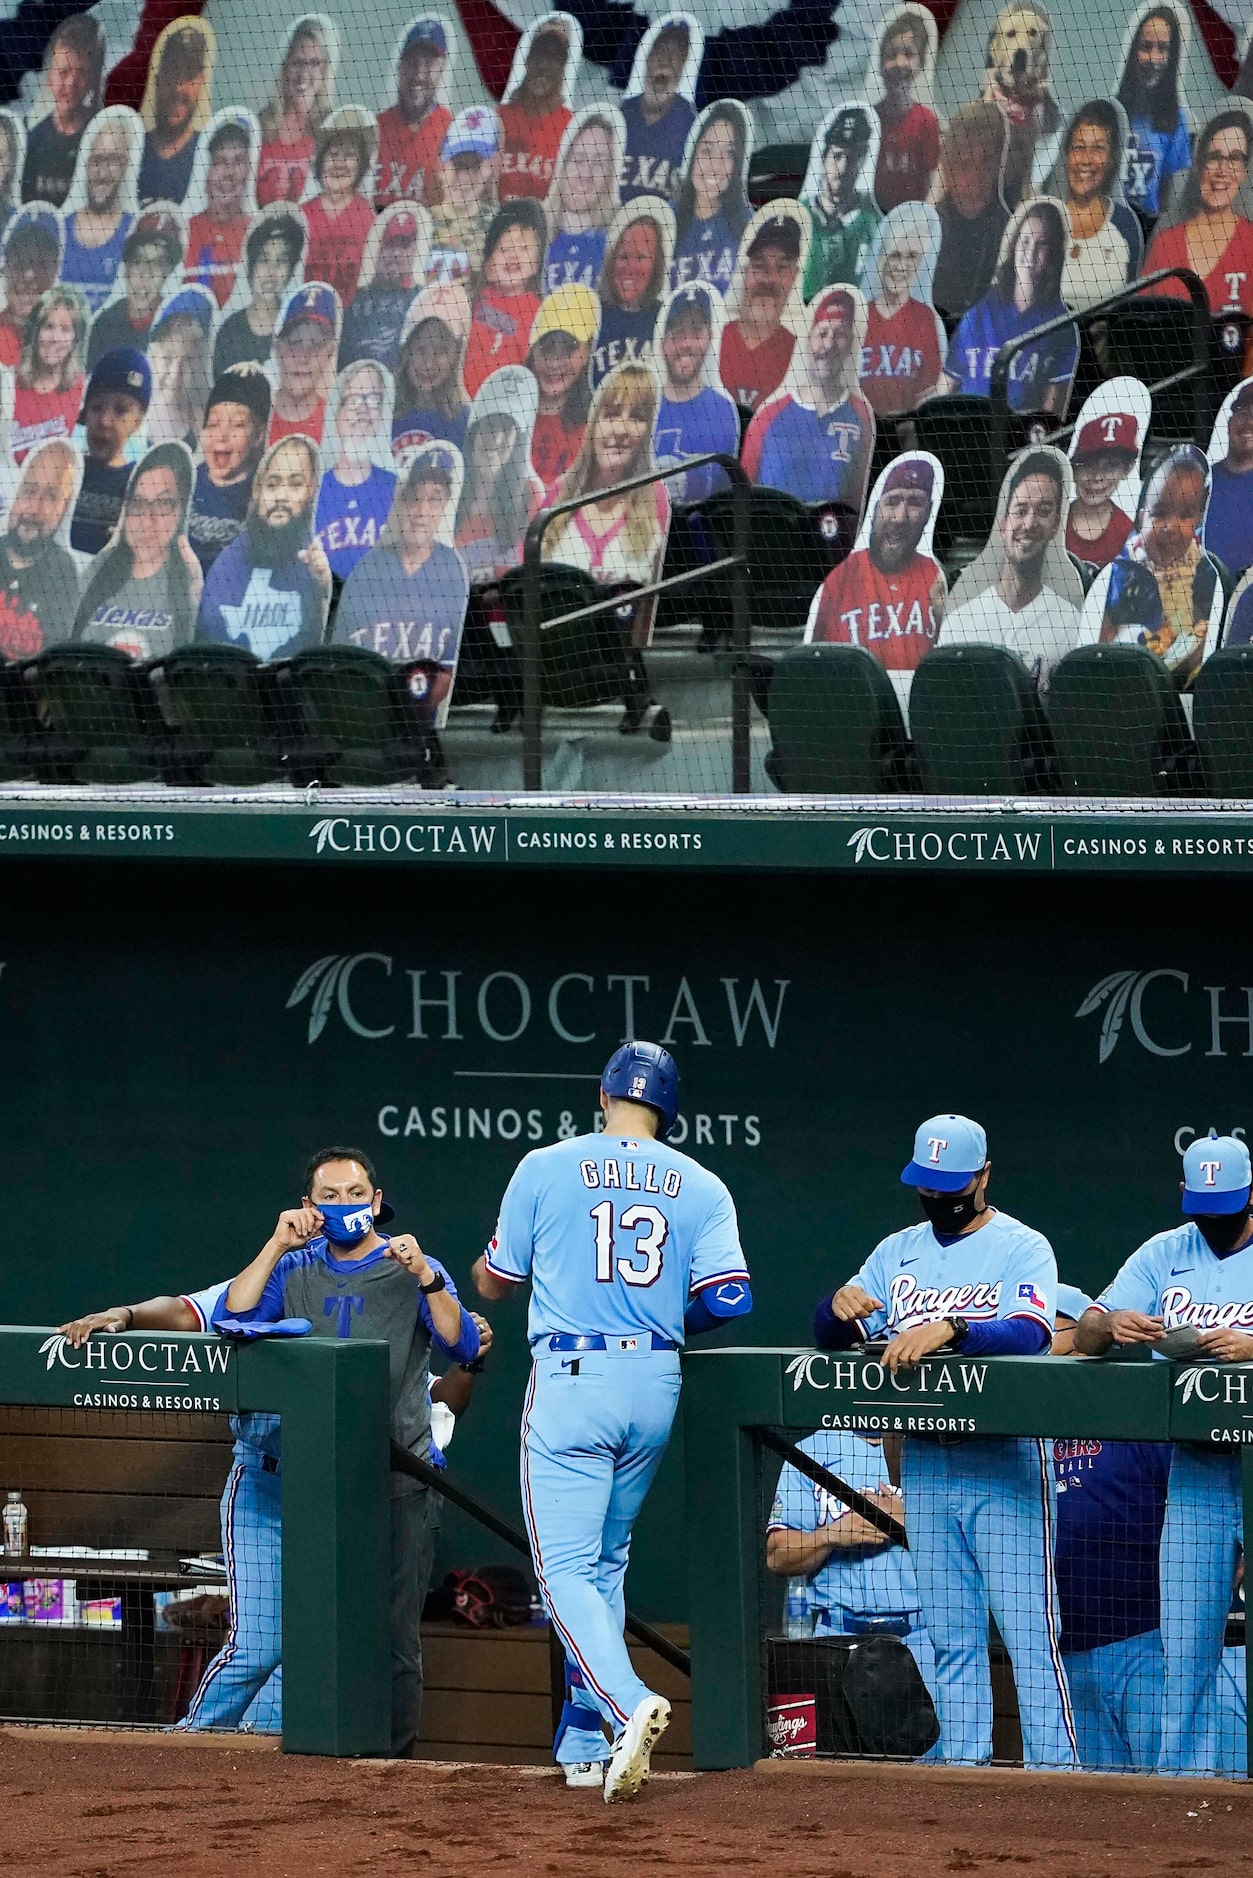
(865, 1583)
(1175, 1276)
(1005, 1269)
(615, 1236)
(255, 1429)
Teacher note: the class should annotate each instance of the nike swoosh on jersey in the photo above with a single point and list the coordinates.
(1177, 1271)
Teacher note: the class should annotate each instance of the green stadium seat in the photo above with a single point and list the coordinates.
(97, 718)
(583, 663)
(1228, 343)
(1118, 725)
(958, 430)
(778, 169)
(977, 724)
(788, 560)
(213, 701)
(836, 726)
(1222, 721)
(348, 717)
(1151, 339)
(17, 725)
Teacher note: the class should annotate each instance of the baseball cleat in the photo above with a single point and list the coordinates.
(632, 1750)
(584, 1773)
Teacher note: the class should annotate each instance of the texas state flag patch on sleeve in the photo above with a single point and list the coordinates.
(1027, 1294)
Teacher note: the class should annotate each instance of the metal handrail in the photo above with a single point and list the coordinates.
(736, 563)
(436, 1478)
(998, 436)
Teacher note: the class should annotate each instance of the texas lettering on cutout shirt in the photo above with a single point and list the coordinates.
(887, 614)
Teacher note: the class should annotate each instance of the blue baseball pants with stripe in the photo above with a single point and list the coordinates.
(594, 1430)
(1203, 1528)
(252, 1546)
(980, 1518)
(1116, 1690)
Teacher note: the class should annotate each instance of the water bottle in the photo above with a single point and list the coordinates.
(16, 1525)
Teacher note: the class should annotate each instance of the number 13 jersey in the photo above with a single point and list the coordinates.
(615, 1235)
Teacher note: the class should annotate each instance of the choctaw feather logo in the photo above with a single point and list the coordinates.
(860, 840)
(319, 983)
(1114, 993)
(801, 1370)
(54, 1348)
(1188, 1382)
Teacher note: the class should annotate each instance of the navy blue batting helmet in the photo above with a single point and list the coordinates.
(644, 1072)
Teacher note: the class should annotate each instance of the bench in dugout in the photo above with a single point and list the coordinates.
(120, 1600)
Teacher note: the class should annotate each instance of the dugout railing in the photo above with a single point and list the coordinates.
(332, 1398)
(744, 1409)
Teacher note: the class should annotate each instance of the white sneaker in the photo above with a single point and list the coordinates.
(628, 1764)
(584, 1773)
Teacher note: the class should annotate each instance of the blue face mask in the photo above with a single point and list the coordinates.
(347, 1225)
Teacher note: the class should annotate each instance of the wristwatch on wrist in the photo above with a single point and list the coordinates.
(438, 1283)
(961, 1330)
(475, 1368)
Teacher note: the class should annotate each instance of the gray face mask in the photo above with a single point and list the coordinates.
(1220, 1231)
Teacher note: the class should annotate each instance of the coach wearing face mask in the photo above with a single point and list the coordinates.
(327, 1263)
(1192, 1289)
(979, 1509)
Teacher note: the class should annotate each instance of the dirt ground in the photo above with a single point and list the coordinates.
(83, 1805)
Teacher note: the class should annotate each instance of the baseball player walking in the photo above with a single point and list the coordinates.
(628, 1244)
(1196, 1277)
(979, 1510)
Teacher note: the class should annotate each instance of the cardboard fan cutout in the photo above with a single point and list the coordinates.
(407, 598)
(1163, 591)
(889, 595)
(815, 440)
(903, 351)
(1228, 529)
(838, 192)
(1023, 591)
(358, 475)
(1105, 447)
(696, 415)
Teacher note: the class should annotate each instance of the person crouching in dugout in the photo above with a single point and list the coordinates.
(327, 1262)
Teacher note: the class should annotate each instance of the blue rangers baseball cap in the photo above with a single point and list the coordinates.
(1217, 1177)
(949, 1150)
(125, 370)
(429, 32)
(473, 132)
(314, 301)
(687, 297)
(197, 302)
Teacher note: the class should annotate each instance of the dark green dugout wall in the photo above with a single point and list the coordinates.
(177, 1037)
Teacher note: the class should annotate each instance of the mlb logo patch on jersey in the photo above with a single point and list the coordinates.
(1028, 1294)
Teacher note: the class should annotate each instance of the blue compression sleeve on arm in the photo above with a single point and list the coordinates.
(715, 1305)
(466, 1348)
(830, 1331)
(1006, 1336)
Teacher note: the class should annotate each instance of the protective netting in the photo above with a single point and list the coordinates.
(1018, 1601)
(129, 1538)
(307, 320)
